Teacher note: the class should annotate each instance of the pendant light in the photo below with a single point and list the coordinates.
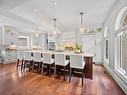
(54, 20)
(54, 30)
(81, 27)
(36, 33)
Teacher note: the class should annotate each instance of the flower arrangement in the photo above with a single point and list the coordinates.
(78, 48)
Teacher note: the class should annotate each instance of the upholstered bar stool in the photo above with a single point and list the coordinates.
(37, 58)
(28, 60)
(60, 60)
(76, 63)
(47, 60)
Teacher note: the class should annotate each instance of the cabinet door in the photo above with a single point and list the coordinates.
(11, 55)
(8, 38)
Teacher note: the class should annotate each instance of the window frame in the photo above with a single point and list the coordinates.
(106, 38)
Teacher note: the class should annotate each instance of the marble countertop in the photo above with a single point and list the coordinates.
(64, 52)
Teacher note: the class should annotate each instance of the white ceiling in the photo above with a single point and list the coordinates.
(67, 12)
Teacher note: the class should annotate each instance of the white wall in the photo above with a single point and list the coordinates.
(69, 37)
(110, 22)
(7, 38)
(88, 43)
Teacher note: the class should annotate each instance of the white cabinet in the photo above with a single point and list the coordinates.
(9, 56)
(9, 38)
(92, 44)
(51, 42)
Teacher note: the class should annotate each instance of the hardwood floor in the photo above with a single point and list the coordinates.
(13, 82)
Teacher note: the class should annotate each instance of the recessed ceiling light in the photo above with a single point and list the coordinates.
(35, 10)
(55, 3)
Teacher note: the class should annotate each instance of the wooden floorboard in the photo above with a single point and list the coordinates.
(13, 82)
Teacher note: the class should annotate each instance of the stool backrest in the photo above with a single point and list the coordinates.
(76, 61)
(20, 55)
(59, 59)
(37, 57)
(27, 55)
(46, 57)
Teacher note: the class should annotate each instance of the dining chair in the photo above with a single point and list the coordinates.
(47, 60)
(28, 59)
(37, 58)
(20, 57)
(76, 63)
(60, 60)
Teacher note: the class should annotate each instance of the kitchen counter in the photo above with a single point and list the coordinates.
(88, 58)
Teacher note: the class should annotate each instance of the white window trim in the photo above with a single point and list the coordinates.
(121, 74)
(106, 37)
(118, 70)
(28, 40)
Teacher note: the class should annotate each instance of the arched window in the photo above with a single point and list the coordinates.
(121, 19)
(106, 45)
(121, 41)
(124, 20)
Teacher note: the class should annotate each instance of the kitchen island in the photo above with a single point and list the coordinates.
(88, 58)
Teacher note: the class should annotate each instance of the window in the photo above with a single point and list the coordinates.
(106, 49)
(121, 41)
(23, 41)
(124, 20)
(106, 45)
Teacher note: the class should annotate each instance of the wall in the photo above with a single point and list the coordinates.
(8, 38)
(20, 32)
(88, 43)
(110, 22)
(69, 37)
(38, 40)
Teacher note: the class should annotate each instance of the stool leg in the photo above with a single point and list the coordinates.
(17, 64)
(64, 74)
(82, 77)
(32, 63)
(54, 70)
(42, 70)
(22, 64)
(70, 76)
(49, 69)
(39, 66)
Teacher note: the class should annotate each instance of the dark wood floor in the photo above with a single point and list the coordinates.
(28, 83)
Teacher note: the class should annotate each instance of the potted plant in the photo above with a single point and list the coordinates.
(78, 48)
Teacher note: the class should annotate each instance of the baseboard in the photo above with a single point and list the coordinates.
(115, 77)
(97, 62)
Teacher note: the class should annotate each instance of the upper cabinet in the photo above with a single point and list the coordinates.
(14, 35)
(9, 35)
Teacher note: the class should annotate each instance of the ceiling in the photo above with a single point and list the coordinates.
(66, 12)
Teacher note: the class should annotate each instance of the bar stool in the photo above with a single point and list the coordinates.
(76, 63)
(48, 60)
(20, 57)
(60, 60)
(28, 60)
(37, 57)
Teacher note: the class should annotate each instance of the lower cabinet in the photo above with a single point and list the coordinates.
(9, 56)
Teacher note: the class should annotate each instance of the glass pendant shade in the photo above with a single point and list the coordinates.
(54, 30)
(81, 28)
